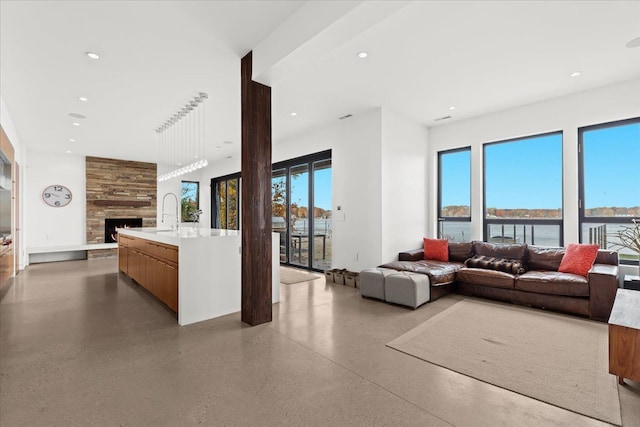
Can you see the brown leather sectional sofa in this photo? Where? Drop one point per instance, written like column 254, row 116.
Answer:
column 540, row 285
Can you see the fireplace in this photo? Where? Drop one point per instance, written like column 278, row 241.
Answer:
column 110, row 225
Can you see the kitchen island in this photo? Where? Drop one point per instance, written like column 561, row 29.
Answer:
column 196, row 272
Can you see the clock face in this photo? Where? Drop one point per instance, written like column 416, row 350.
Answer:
column 56, row 196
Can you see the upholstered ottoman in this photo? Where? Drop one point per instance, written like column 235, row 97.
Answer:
column 410, row 289
column 372, row 282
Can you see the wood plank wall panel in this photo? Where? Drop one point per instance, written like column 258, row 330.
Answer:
column 8, row 256
column 256, row 198
column 119, row 181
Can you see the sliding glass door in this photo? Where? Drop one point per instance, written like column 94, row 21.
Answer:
column 300, row 208
column 299, row 214
column 279, row 209
column 301, row 190
column 322, row 214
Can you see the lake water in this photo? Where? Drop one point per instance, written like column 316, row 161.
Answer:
column 543, row 235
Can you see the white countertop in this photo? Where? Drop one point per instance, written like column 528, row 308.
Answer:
column 175, row 237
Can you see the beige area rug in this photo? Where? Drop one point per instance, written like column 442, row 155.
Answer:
column 550, row 357
column 289, row 276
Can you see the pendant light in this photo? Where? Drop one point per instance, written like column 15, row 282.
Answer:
column 181, row 139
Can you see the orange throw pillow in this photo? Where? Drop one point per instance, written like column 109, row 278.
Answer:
column 578, row 259
column 436, row 249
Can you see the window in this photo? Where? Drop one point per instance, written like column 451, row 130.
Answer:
column 609, row 177
column 300, row 208
column 523, row 190
column 190, row 201
column 225, row 202
column 454, row 195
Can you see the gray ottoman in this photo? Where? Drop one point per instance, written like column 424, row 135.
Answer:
column 372, row 282
column 410, row 289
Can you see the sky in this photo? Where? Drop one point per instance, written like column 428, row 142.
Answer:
column 612, row 166
column 527, row 173
column 321, row 192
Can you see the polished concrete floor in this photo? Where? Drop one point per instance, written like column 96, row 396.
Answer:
column 81, row 345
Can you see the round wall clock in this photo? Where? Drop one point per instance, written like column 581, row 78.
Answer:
column 56, row 196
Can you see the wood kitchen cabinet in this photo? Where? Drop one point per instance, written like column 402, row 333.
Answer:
column 153, row 265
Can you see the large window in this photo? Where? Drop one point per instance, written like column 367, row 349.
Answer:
column 523, row 190
column 454, row 195
column 301, row 208
column 190, row 201
column 609, row 175
column 225, row 202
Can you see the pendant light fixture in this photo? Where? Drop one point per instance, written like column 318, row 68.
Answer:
column 181, row 139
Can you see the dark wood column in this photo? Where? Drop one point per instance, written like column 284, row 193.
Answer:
column 256, row 198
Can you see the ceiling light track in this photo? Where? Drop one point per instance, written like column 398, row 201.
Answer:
column 181, row 138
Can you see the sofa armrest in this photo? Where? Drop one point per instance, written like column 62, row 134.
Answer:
column 603, row 285
column 413, row 255
column 606, row 256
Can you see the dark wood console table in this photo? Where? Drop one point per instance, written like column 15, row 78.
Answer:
column 624, row 336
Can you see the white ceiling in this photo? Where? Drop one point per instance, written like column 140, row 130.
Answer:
column 424, row 56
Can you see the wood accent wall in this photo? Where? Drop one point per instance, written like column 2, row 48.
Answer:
column 110, row 185
column 7, row 253
column 256, row 198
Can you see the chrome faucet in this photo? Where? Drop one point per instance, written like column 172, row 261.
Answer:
column 164, row 215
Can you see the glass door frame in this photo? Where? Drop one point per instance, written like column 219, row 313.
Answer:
column 287, row 165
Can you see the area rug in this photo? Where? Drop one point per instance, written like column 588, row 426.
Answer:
column 289, row 276
column 554, row 358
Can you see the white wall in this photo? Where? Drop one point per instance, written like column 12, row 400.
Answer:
column 20, row 158
column 378, row 171
column 44, row 225
column 567, row 113
column 404, row 183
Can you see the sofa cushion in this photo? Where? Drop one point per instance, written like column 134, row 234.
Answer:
column 578, row 259
column 460, row 251
column 498, row 250
column 439, row 272
column 436, row 249
column 480, row 276
column 498, row 264
column 541, row 258
column 554, row 283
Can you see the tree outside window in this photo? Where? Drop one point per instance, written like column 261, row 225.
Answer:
column 190, row 201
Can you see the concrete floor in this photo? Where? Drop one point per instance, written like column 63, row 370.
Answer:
column 82, row 345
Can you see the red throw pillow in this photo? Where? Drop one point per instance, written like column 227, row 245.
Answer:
column 578, row 259
column 436, row 249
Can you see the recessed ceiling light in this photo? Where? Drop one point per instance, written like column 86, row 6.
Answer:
column 72, row 140
column 452, row 108
column 634, row 43
column 227, row 142
column 218, row 146
column 77, row 116
column 362, row 55
column 76, row 124
column 228, row 157
column 575, row 74
column 92, row 55
column 68, row 151
column 82, row 98
column 294, row 114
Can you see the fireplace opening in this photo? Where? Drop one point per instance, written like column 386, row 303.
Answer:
column 112, row 224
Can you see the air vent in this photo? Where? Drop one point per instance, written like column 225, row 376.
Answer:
column 77, row 116
column 345, row 117
column 441, row 118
